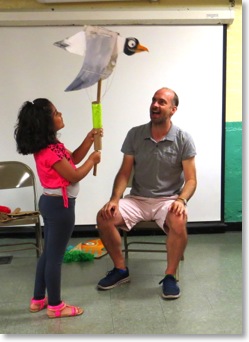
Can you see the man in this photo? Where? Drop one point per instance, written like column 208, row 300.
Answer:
column 163, row 159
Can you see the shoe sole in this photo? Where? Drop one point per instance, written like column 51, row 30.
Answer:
column 53, row 315
column 120, row 282
column 33, row 311
column 171, row 296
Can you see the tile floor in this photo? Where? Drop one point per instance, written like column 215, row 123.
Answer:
column 211, row 283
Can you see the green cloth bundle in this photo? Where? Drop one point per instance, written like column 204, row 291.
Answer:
column 76, row 256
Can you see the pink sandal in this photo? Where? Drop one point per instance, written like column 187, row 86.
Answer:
column 37, row 305
column 60, row 311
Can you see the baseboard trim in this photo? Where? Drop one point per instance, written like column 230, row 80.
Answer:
column 91, row 231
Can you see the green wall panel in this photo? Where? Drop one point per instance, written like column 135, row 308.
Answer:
column 233, row 172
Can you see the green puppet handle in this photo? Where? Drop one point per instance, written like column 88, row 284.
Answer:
column 97, row 123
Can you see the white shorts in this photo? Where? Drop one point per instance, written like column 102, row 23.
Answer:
column 135, row 209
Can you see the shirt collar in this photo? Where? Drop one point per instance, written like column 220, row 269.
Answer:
column 169, row 136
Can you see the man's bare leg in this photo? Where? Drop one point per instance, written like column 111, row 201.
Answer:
column 112, row 241
column 176, row 241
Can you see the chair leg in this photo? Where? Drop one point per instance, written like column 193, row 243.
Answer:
column 126, row 250
column 177, row 274
column 38, row 236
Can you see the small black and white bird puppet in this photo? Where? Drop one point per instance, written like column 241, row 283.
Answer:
column 100, row 48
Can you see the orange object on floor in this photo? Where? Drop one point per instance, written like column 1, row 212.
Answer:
column 94, row 247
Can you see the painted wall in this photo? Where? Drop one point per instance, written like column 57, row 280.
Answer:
column 233, row 152
column 233, row 172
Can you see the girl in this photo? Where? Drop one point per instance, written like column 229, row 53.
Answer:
column 36, row 133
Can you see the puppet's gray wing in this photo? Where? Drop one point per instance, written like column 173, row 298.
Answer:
column 100, row 44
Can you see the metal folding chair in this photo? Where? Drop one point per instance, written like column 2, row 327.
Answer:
column 16, row 175
column 144, row 225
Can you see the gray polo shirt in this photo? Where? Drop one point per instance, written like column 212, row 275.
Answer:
column 158, row 167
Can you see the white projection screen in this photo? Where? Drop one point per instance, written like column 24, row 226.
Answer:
column 188, row 59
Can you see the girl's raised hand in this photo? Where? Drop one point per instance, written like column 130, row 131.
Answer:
column 95, row 131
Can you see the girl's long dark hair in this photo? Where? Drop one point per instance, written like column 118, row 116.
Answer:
column 34, row 129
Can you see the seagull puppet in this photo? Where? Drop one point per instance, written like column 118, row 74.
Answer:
column 100, row 48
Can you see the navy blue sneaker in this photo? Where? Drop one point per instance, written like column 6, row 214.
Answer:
column 114, row 278
column 170, row 288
